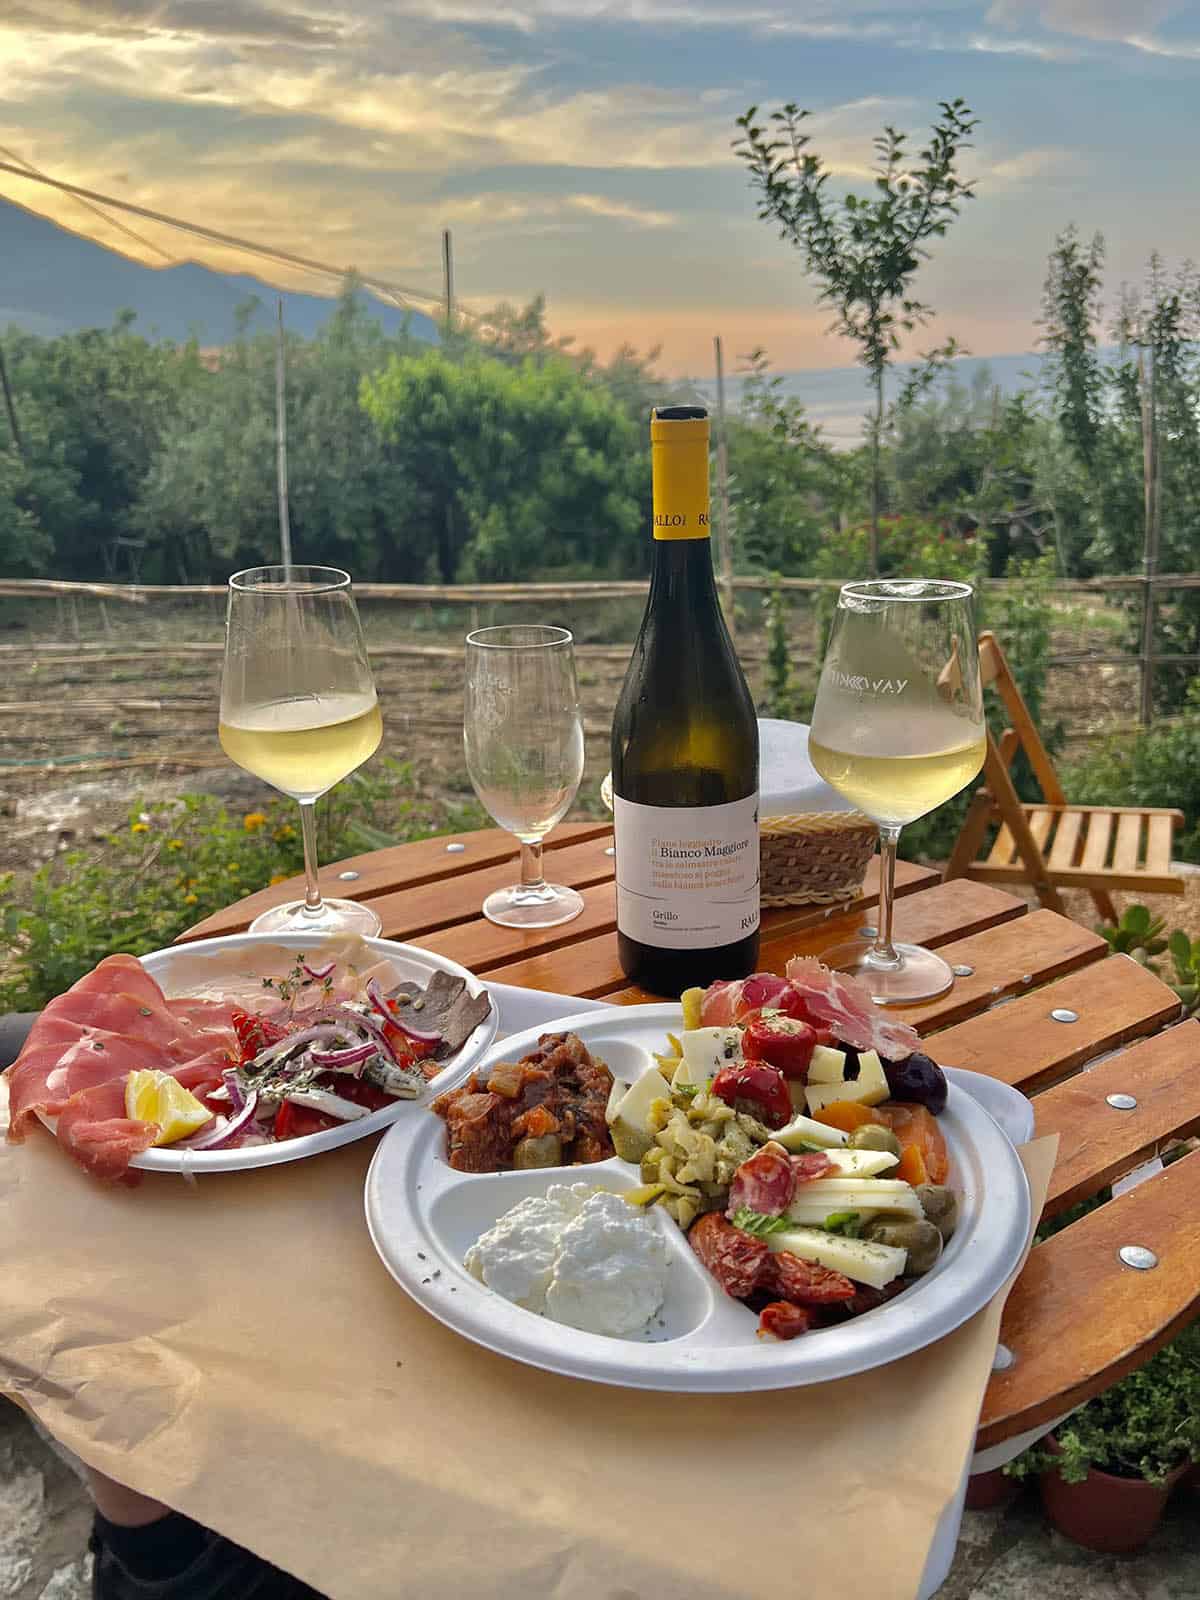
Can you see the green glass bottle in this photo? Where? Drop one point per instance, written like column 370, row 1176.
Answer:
column 684, row 750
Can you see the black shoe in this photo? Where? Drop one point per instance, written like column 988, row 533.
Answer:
column 177, row 1559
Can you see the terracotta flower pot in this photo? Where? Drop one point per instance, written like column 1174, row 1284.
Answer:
column 986, row 1491
column 1106, row 1513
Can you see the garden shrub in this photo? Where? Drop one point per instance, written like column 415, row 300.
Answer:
column 177, row 862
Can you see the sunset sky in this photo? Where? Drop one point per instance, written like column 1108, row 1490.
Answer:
column 582, row 147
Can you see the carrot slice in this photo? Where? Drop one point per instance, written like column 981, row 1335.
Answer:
column 846, row 1115
column 914, row 1125
column 912, row 1167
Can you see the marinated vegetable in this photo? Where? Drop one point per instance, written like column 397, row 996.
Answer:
column 940, row 1206
column 874, row 1136
column 757, row 1089
column 782, row 1042
column 919, row 1238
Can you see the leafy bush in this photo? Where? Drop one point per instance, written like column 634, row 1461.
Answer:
column 180, row 861
column 1157, row 766
column 1142, row 1427
column 1140, row 935
column 780, row 694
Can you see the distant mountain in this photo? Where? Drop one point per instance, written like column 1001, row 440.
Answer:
column 837, row 398
column 53, row 281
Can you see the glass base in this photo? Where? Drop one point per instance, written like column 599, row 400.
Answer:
column 918, row 975
column 537, row 908
column 335, row 916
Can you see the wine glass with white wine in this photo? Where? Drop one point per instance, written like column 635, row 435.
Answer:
column 299, row 711
column 898, row 729
column 523, row 737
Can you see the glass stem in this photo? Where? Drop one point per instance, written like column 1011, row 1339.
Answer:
column 532, row 881
column 883, row 950
column 308, row 832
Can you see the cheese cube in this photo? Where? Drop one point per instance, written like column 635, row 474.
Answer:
column 827, row 1066
column 708, row 1050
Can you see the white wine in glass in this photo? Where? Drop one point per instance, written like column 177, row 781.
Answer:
column 299, row 711
column 523, row 739
column 898, row 730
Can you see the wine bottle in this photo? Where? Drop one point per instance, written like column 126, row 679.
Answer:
column 684, row 750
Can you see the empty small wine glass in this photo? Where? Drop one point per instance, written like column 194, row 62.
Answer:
column 523, row 736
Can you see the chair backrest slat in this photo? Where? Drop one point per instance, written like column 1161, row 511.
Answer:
column 995, row 671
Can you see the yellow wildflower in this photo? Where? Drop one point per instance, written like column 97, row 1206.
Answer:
column 190, row 899
column 174, row 844
column 286, row 832
column 139, row 827
column 233, row 869
column 253, row 821
column 280, row 877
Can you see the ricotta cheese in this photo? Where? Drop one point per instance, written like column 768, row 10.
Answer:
column 579, row 1256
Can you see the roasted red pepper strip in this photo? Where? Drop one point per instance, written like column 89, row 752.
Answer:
column 254, row 1034
column 782, row 1042
column 755, row 1087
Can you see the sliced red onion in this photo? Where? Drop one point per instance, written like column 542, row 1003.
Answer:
column 216, row 1138
column 368, row 1025
column 236, row 1098
column 417, row 1035
column 319, row 1033
column 336, row 1060
column 319, row 974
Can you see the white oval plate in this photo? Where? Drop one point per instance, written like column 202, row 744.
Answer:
column 169, row 968
column 423, row 1216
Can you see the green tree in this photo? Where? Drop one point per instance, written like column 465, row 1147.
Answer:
column 785, row 481
column 864, row 252
column 513, row 470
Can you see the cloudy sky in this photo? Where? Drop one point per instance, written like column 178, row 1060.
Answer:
column 582, row 147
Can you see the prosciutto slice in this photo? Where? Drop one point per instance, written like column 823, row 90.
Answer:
column 845, row 1006
column 79, row 1052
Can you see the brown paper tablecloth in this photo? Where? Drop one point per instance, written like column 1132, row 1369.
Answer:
column 235, row 1348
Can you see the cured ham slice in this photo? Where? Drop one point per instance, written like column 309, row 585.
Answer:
column 84, row 1045
column 844, row 1005
column 725, row 1004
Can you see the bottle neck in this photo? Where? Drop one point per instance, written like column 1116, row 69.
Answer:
column 681, row 575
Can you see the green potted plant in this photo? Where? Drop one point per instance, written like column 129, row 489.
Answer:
column 1107, row 1472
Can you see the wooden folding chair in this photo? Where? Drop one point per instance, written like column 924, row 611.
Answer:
column 1054, row 845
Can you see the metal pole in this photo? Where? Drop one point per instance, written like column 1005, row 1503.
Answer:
column 10, row 406
column 724, row 542
column 1150, row 542
column 448, row 276
column 285, row 530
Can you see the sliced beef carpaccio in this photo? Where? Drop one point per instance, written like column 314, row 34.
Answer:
column 556, row 1089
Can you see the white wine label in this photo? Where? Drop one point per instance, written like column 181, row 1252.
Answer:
column 687, row 876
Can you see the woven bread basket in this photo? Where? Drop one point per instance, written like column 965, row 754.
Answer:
column 815, row 858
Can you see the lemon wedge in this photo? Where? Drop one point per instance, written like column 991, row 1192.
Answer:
column 158, row 1097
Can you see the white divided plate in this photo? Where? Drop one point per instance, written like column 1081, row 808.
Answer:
column 423, row 1217
column 170, row 969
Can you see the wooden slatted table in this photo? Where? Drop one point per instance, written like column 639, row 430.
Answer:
column 1078, row 1318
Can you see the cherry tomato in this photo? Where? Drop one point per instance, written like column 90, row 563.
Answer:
column 782, row 1042
column 756, row 1088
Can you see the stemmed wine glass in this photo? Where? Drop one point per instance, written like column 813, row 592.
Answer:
column 523, row 737
column 897, row 729
column 299, row 711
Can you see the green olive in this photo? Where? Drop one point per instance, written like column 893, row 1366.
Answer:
column 630, row 1143
column 940, row 1206
column 873, row 1136
column 921, row 1239
column 543, row 1150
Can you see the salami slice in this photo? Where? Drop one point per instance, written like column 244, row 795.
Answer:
column 734, row 1258
column 765, row 1183
column 816, row 1164
column 803, row 1283
column 782, row 1320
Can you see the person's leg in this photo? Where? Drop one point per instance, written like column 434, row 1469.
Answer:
column 145, row 1551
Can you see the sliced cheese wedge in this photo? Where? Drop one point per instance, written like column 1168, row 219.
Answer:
column 803, row 1131
column 707, row 1050
column 634, row 1106
column 873, row 1264
column 861, row 1163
